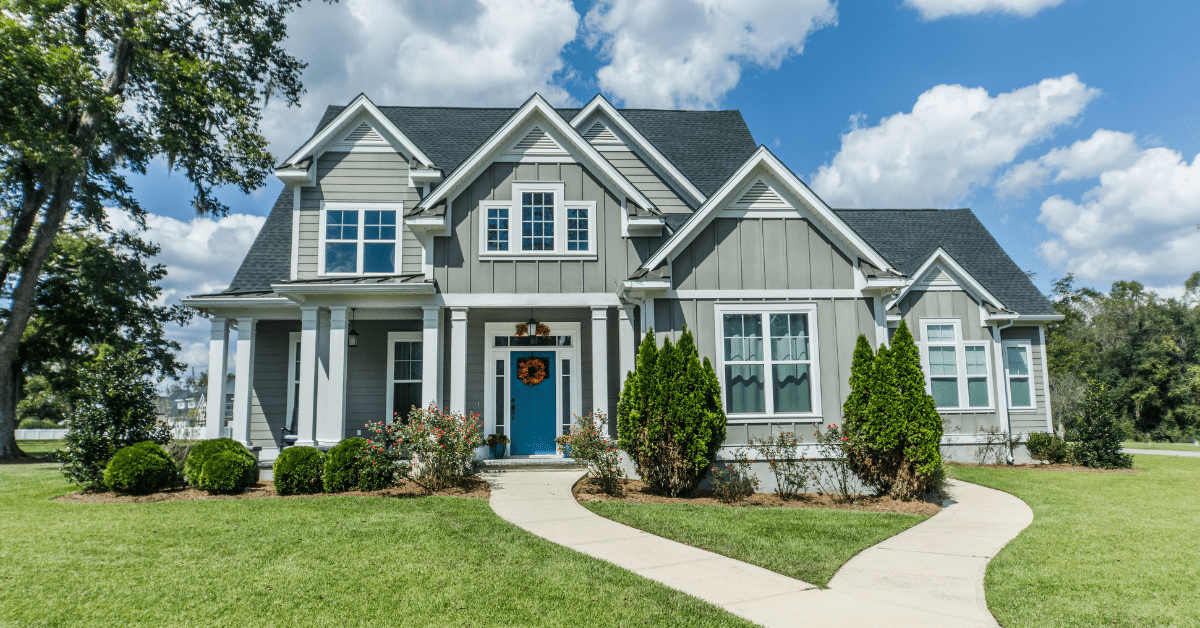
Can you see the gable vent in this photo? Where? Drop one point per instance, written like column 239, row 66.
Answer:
column 537, row 142
column 761, row 195
column 936, row 278
column 600, row 134
column 364, row 134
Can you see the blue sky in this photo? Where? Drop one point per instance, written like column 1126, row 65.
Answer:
column 1070, row 127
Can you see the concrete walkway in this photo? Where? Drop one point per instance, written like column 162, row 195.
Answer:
column 928, row 575
column 1164, row 452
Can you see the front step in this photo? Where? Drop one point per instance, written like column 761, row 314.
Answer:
column 533, row 462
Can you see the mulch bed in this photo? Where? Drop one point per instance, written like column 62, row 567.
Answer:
column 469, row 487
column 636, row 492
column 1061, row 466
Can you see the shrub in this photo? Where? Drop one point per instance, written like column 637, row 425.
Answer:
column 38, row 424
column 996, row 444
column 193, row 466
column 179, row 449
column 589, row 443
column 892, row 427
column 298, row 471
column 792, row 471
column 735, row 481
column 670, row 417
column 139, row 469
column 439, row 446
column 117, row 410
column 228, row 472
column 344, row 465
column 836, row 477
column 1047, row 447
column 1096, row 436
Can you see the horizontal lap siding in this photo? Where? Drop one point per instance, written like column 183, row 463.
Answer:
column 1026, row 421
column 458, row 268
column 761, row 254
column 363, row 177
column 268, row 408
column 366, row 373
column 647, row 181
column 838, row 325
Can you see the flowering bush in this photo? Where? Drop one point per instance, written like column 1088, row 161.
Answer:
column 438, row 446
column 792, row 471
column 735, row 481
column 839, row 478
column 588, row 443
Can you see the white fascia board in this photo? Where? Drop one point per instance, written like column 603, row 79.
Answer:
column 640, row 226
column 211, row 302
column 536, row 105
column 435, row 225
column 647, row 285
column 793, row 185
column 941, row 256
column 390, row 288
column 361, row 104
column 601, row 104
column 1031, row 318
column 297, row 176
column 425, row 175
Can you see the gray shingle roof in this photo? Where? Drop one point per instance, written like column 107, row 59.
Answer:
column 270, row 257
column 906, row 238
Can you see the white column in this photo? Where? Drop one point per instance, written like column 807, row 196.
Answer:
column 1001, row 384
column 458, row 359
column 629, row 341
column 331, row 424
column 306, row 403
column 1045, row 379
column 244, row 380
column 431, row 353
column 322, row 369
column 218, row 366
column 600, row 360
column 881, row 328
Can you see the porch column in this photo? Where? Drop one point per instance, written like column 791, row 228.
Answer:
column 244, row 380
column 431, row 353
column 629, row 341
column 306, row 402
column 458, row 359
column 331, row 424
column 881, row 328
column 600, row 359
column 218, row 367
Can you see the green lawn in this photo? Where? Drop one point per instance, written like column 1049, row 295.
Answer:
column 805, row 543
column 39, row 448
column 1111, row 549
column 330, row 561
column 1130, row 444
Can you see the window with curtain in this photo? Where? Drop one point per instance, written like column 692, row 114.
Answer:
column 768, row 363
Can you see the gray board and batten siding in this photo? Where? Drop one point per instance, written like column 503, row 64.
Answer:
column 268, row 403
column 1026, row 421
column 459, row 269
column 647, row 181
column 357, row 177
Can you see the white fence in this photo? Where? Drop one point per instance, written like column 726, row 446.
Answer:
column 40, row 434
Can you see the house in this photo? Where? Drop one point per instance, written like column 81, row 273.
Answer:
column 414, row 249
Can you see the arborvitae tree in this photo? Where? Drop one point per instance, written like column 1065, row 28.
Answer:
column 862, row 368
column 1095, row 434
column 635, row 395
column 919, row 427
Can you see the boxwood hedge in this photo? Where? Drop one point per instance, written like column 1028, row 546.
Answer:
column 298, row 471
column 139, row 469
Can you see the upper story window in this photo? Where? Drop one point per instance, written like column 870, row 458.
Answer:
column 768, row 360
column 958, row 372
column 359, row 238
column 537, row 223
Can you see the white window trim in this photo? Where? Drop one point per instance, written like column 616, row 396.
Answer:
column 361, row 208
column 392, row 338
column 1028, row 345
column 561, row 205
column 293, row 345
column 763, row 309
column 960, row 358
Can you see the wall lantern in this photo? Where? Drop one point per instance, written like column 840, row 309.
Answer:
column 531, row 327
column 352, row 337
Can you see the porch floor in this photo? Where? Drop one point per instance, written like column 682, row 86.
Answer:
column 530, row 462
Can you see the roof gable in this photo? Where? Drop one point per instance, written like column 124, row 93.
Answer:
column 344, row 130
column 940, row 271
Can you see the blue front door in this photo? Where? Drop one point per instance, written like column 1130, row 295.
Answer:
column 532, row 421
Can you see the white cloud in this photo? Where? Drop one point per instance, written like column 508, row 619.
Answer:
column 1105, row 150
column 409, row 52
column 934, row 9
column 689, row 54
column 952, row 142
column 1140, row 223
column 201, row 256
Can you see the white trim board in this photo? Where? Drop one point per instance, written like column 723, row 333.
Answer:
column 941, row 258
column 359, row 108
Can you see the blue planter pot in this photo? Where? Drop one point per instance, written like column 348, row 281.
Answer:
column 497, row 451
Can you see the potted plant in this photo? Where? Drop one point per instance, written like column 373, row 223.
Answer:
column 564, row 442
column 496, row 443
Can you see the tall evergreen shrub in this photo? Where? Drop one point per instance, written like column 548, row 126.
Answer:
column 1096, row 436
column 670, row 418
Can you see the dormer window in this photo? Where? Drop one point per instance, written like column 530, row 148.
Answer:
column 538, row 223
column 359, row 238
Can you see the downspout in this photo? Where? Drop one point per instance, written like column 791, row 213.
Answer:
column 1002, row 397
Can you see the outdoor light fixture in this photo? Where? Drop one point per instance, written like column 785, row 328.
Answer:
column 531, row 326
column 352, row 337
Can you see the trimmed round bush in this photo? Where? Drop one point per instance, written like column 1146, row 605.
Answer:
column 228, row 472
column 298, row 471
column 202, row 453
column 344, row 465
column 139, row 469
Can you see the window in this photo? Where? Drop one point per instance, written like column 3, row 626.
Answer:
column 566, row 395
column 537, row 223
column 958, row 371
column 405, row 365
column 1016, row 371
column 359, row 238
column 767, row 361
column 293, row 395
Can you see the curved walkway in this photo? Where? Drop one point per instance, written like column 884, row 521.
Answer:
column 928, row 575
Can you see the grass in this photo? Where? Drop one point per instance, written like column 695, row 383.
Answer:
column 805, row 543
column 1132, row 444
column 39, row 448
column 332, row 561
column 1112, row 549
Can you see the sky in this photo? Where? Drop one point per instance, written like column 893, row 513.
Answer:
column 1070, row 127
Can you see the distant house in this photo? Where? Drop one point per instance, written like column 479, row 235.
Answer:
column 439, row 255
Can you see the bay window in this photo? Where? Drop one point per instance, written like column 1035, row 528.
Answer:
column 359, row 238
column 957, row 372
column 767, row 360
